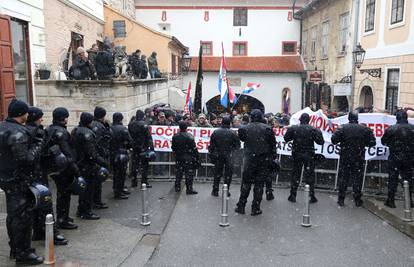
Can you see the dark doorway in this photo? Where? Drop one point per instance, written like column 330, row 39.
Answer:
column 366, row 99
column 244, row 104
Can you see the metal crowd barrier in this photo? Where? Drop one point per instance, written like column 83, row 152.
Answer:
column 375, row 172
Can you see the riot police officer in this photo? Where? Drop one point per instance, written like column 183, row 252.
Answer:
column 103, row 135
column 34, row 124
column 89, row 162
column 60, row 141
column 18, row 154
column 259, row 153
column 223, row 143
column 400, row 140
column 352, row 139
column 141, row 142
column 120, row 144
column 304, row 137
column 186, row 157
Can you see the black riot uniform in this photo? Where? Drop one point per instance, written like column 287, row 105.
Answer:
column 304, row 137
column 223, row 143
column 60, row 141
column 40, row 175
column 400, row 140
column 352, row 139
column 187, row 158
column 141, row 142
column 17, row 157
column 121, row 142
column 89, row 163
column 259, row 153
column 103, row 135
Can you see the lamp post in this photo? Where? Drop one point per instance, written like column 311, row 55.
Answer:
column 359, row 56
column 186, row 63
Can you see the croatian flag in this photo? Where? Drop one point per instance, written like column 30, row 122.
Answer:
column 188, row 103
column 250, row 87
column 223, row 83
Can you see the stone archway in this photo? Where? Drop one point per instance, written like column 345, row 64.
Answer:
column 340, row 103
column 366, row 97
column 245, row 104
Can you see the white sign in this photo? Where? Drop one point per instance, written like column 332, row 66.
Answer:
column 342, row 89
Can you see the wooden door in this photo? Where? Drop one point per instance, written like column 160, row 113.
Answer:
column 7, row 84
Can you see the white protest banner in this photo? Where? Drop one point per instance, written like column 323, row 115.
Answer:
column 162, row 135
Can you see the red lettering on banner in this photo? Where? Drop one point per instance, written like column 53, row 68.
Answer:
column 165, row 144
column 157, row 143
column 312, row 120
column 203, row 132
column 318, row 123
column 168, row 132
column 159, row 131
column 200, row 145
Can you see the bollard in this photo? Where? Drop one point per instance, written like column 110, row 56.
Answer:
column 306, row 212
column 407, row 203
column 49, row 242
column 224, row 207
column 144, row 215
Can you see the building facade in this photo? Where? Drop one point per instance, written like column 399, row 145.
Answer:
column 22, row 45
column 387, row 35
column 327, row 44
column 127, row 32
column 248, row 33
column 70, row 24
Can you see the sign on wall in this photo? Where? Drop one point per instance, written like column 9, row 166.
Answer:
column 342, row 89
column 315, row 76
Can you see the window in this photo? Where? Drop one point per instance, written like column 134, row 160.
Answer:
column 240, row 17
column 289, row 48
column 305, row 44
column 76, row 40
column 397, row 11
column 239, row 48
column 343, row 34
column 313, row 42
column 207, row 48
column 325, row 37
column 286, row 101
column 369, row 15
column 391, row 98
column 119, row 28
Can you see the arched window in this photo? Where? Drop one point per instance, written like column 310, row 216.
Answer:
column 286, row 101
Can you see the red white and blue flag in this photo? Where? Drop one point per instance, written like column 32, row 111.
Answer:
column 188, row 108
column 250, row 87
column 226, row 93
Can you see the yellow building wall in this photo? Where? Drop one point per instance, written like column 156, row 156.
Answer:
column 140, row 37
column 397, row 34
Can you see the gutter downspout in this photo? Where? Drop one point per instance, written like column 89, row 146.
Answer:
column 356, row 35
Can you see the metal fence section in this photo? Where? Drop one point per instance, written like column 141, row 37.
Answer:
column 326, row 170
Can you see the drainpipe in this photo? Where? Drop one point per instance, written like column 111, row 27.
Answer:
column 356, row 35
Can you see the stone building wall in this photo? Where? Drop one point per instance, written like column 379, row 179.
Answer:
column 115, row 96
column 60, row 20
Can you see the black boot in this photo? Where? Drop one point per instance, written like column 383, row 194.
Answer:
column 177, row 187
column 215, row 191
column 60, row 239
column 66, row 224
column 100, row 206
column 125, row 191
column 134, row 182
column 90, row 216
column 190, row 190
column 313, row 199
column 358, row 202
column 256, row 211
column 28, row 257
column 120, row 196
column 292, row 198
column 240, row 209
column 341, row 202
column 269, row 194
column 390, row 203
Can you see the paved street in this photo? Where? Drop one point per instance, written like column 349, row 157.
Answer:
column 186, row 233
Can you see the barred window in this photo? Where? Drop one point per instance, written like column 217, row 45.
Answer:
column 239, row 48
column 369, row 15
column 325, row 38
column 344, row 31
column 207, row 48
column 397, row 11
column 240, row 17
column 119, row 28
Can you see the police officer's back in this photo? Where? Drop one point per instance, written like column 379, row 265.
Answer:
column 352, row 139
column 17, row 157
column 186, row 157
column 223, row 142
column 141, row 142
column 400, row 140
column 304, row 137
column 259, row 152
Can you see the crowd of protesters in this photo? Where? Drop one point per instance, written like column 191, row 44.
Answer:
column 112, row 62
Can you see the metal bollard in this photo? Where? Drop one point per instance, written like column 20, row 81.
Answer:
column 407, row 203
column 224, row 207
column 144, row 215
column 49, row 241
column 306, row 212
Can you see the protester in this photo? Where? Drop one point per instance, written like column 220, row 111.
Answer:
column 82, row 68
column 153, row 66
column 104, row 63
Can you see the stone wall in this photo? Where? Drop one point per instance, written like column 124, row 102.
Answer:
column 115, row 96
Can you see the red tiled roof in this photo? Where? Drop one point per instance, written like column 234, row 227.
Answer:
column 251, row 64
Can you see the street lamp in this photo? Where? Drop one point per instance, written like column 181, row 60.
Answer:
column 358, row 57
column 186, row 63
